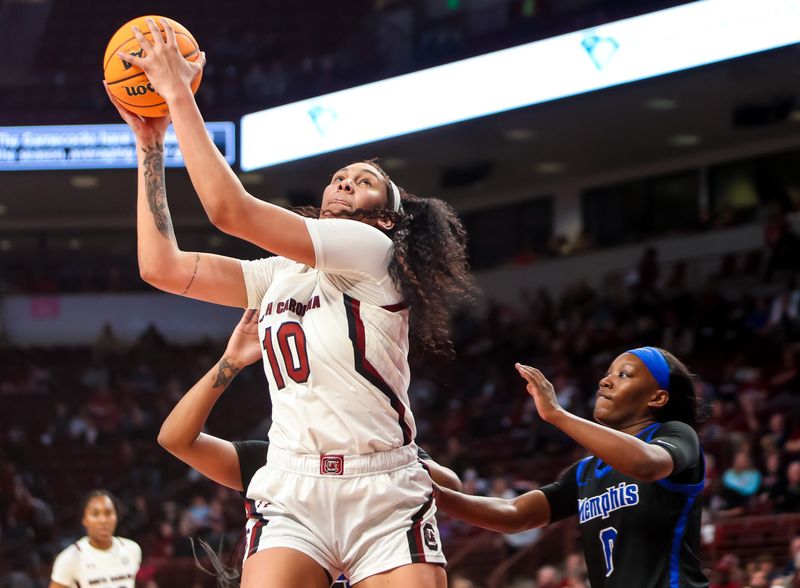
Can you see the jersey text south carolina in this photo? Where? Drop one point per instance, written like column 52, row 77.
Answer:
column 604, row 504
column 290, row 305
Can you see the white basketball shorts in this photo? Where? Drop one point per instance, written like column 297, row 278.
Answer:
column 358, row 515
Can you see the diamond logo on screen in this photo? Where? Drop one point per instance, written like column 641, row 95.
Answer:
column 323, row 118
column 601, row 50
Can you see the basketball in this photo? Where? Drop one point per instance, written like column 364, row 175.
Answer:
column 128, row 83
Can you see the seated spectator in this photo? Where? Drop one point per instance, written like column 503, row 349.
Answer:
column 784, row 314
column 776, row 434
column 740, row 481
column 793, row 566
column 576, row 575
column 774, row 481
column 727, row 573
column 758, row 579
column 82, row 428
column 548, row 577
column 783, row 386
column 788, row 500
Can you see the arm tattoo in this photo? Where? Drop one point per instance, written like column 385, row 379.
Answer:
column 189, row 285
column 156, row 189
column 227, row 371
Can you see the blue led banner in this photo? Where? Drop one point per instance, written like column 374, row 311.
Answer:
column 92, row 146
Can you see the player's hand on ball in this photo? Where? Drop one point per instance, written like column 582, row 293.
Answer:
column 168, row 71
column 541, row 390
column 244, row 346
column 146, row 129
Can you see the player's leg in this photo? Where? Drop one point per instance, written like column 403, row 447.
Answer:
column 400, row 549
column 285, row 541
column 419, row 575
column 282, row 567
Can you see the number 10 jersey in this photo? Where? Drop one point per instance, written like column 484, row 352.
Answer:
column 335, row 343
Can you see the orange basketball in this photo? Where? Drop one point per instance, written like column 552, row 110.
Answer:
column 127, row 83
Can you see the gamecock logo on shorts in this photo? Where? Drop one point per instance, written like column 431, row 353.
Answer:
column 429, row 535
column 331, row 465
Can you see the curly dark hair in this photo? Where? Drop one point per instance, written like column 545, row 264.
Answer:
column 429, row 265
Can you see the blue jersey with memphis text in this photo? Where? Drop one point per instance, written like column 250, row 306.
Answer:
column 642, row 534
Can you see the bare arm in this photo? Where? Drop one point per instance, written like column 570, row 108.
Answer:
column 496, row 514
column 204, row 276
column 228, row 205
column 181, row 434
column 625, row 453
column 56, row 585
column 442, row 476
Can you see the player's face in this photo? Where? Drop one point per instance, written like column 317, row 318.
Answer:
column 626, row 393
column 100, row 519
column 357, row 186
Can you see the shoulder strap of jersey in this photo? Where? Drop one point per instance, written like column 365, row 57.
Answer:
column 580, row 471
column 647, row 433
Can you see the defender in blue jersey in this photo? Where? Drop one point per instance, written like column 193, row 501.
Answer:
column 638, row 496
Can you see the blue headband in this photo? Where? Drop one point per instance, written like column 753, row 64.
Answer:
column 655, row 361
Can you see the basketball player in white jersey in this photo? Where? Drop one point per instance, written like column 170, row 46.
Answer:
column 98, row 560
column 343, row 488
column 233, row 464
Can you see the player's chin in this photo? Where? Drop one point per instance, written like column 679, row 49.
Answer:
column 600, row 416
column 332, row 210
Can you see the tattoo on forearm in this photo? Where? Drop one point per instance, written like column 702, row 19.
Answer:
column 189, row 285
column 156, row 188
column 227, row 371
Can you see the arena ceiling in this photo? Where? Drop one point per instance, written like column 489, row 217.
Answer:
column 658, row 121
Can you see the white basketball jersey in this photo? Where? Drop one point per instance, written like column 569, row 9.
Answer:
column 335, row 343
column 82, row 566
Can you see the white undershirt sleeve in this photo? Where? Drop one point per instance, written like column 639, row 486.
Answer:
column 350, row 248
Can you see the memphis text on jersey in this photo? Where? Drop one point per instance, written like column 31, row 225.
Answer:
column 602, row 505
column 290, row 305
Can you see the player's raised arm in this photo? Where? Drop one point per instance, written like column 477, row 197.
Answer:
column 181, row 434
column 228, row 205
column 619, row 449
column 204, row 276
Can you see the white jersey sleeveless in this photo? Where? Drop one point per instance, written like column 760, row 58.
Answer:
column 335, row 343
column 82, row 566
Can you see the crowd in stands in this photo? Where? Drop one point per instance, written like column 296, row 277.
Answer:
column 76, row 418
